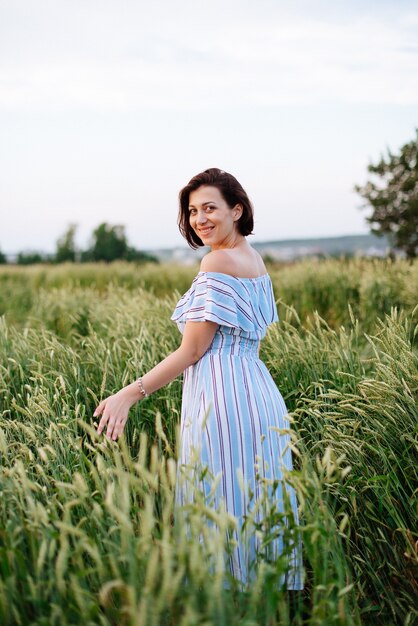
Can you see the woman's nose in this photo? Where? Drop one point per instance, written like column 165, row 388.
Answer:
column 201, row 218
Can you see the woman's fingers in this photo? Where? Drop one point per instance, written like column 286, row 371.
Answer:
column 110, row 428
column 99, row 408
column 115, row 428
column 102, row 424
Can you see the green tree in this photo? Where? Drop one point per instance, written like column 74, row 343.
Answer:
column 66, row 248
column 394, row 198
column 109, row 244
column 3, row 259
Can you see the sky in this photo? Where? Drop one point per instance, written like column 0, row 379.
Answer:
column 108, row 108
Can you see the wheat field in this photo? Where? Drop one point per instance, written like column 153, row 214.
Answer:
column 88, row 529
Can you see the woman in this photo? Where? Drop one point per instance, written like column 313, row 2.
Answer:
column 231, row 408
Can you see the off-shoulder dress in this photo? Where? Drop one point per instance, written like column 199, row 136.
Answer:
column 232, row 411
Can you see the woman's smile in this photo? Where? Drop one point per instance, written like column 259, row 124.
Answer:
column 205, row 230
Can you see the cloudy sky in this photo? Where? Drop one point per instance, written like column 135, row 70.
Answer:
column 107, row 108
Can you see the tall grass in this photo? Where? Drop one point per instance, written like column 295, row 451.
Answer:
column 372, row 287
column 360, row 399
column 89, row 533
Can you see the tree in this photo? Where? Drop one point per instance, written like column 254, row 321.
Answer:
column 395, row 199
column 3, row 259
column 109, row 243
column 66, row 249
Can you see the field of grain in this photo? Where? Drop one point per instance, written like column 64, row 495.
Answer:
column 88, row 533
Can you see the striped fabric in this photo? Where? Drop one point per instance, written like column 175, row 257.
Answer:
column 232, row 413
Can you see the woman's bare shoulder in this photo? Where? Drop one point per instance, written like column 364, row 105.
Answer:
column 218, row 261
column 249, row 264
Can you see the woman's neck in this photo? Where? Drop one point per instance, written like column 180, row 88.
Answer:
column 236, row 241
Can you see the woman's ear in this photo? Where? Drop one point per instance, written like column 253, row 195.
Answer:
column 237, row 212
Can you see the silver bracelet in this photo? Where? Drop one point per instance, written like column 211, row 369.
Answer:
column 141, row 388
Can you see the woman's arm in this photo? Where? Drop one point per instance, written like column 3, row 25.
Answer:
column 197, row 338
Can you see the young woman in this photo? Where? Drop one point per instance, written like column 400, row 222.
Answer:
column 232, row 412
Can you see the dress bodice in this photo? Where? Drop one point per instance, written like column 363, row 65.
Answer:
column 242, row 307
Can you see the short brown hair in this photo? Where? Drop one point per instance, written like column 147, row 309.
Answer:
column 231, row 191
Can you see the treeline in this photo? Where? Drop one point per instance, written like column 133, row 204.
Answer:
column 108, row 243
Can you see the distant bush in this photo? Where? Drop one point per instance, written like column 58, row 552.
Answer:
column 32, row 258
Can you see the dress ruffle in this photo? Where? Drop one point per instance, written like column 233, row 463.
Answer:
column 235, row 303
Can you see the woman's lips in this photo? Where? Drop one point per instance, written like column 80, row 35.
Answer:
column 205, row 231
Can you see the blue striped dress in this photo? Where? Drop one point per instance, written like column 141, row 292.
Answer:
column 231, row 413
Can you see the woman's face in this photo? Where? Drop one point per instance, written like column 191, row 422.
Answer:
column 212, row 219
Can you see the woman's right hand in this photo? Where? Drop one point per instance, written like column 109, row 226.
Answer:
column 114, row 411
